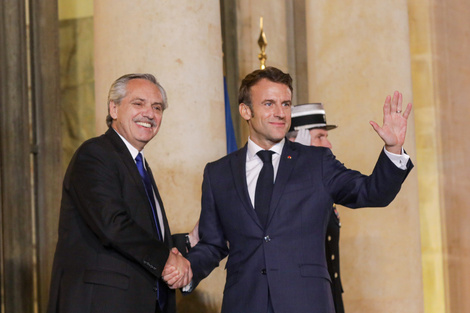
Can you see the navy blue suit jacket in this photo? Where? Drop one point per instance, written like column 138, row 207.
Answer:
column 287, row 257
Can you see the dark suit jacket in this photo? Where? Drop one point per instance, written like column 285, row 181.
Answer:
column 108, row 257
column 287, row 258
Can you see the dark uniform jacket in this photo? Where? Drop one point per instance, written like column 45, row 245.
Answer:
column 332, row 259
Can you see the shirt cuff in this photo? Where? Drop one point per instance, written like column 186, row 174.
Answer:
column 188, row 287
column 400, row 160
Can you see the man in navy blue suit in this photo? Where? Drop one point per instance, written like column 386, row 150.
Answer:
column 276, row 256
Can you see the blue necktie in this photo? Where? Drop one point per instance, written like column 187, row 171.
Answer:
column 149, row 191
column 264, row 186
column 161, row 288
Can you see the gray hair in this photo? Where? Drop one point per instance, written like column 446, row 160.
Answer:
column 118, row 91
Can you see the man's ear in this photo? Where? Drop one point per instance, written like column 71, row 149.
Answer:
column 113, row 109
column 245, row 111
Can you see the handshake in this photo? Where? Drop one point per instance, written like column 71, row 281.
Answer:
column 177, row 272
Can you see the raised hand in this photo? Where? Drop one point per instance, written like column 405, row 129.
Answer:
column 177, row 272
column 393, row 130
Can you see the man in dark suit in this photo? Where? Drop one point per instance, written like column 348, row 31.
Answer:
column 114, row 238
column 309, row 127
column 276, row 250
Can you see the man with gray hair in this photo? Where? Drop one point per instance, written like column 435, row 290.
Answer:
column 114, row 237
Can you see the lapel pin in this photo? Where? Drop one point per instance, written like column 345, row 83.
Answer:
column 289, row 157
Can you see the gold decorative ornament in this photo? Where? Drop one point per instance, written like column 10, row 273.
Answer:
column 262, row 42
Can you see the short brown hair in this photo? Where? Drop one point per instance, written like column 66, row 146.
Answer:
column 270, row 73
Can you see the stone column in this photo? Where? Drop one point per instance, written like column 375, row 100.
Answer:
column 445, row 128
column 358, row 53
column 180, row 43
column 428, row 154
column 16, row 234
column 45, row 86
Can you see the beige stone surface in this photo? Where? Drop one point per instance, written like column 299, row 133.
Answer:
column 359, row 53
column 76, row 84
column 451, row 48
column 179, row 42
column 274, row 24
column 74, row 9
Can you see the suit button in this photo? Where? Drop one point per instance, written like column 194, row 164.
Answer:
column 155, row 288
column 267, row 239
column 263, row 271
column 332, row 256
column 329, row 238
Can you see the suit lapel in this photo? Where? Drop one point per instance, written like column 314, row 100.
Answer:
column 129, row 163
column 126, row 158
column 238, row 166
column 286, row 164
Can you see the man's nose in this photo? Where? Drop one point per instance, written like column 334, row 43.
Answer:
column 279, row 111
column 328, row 144
column 148, row 112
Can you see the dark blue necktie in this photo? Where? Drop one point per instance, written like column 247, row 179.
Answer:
column 149, row 191
column 264, row 186
column 161, row 288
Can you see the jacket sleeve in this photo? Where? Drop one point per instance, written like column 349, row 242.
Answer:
column 353, row 189
column 212, row 247
column 179, row 242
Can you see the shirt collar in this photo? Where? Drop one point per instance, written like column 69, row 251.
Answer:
column 133, row 151
column 253, row 148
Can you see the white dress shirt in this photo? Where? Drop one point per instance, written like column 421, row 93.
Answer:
column 400, row 160
column 134, row 152
column 254, row 164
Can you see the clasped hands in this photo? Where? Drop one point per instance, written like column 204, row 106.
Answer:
column 177, row 272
